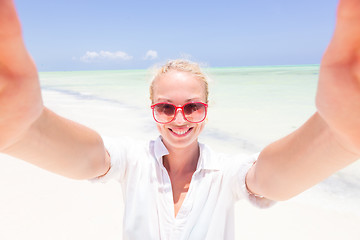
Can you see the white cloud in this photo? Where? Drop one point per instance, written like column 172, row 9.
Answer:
column 150, row 55
column 105, row 55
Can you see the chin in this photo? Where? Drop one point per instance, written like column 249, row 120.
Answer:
column 169, row 141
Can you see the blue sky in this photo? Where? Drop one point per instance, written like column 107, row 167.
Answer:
column 108, row 34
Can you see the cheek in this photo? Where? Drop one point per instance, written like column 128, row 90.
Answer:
column 159, row 127
column 162, row 129
column 201, row 126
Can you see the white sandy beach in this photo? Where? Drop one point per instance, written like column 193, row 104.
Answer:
column 36, row 204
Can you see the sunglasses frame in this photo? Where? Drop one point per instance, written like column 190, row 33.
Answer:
column 176, row 110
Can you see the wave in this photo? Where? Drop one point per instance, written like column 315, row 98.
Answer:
column 89, row 96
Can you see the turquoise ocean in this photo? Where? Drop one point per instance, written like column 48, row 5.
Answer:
column 249, row 107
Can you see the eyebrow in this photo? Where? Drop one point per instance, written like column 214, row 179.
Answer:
column 193, row 100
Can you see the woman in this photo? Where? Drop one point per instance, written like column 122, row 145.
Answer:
column 160, row 202
column 174, row 187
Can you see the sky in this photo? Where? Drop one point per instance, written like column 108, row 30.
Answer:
column 69, row 35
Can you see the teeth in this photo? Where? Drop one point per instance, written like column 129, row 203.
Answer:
column 180, row 132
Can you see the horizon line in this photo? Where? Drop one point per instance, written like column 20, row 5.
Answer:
column 227, row 67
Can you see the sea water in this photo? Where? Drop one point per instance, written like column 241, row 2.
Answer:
column 249, row 107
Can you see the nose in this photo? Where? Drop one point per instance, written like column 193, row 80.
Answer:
column 179, row 117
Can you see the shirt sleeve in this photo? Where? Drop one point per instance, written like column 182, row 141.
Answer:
column 241, row 190
column 117, row 149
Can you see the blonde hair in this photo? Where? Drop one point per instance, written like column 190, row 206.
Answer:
column 181, row 65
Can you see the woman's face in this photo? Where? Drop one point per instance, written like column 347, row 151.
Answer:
column 179, row 88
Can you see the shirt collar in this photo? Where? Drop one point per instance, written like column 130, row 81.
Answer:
column 207, row 159
column 160, row 149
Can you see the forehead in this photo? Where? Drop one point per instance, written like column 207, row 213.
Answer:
column 176, row 86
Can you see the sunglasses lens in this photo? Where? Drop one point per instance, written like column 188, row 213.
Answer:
column 164, row 112
column 195, row 112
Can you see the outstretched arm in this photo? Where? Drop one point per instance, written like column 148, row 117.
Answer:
column 29, row 130
column 330, row 139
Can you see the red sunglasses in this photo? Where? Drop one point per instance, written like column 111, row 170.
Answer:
column 193, row 112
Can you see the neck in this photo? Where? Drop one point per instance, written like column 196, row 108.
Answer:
column 182, row 160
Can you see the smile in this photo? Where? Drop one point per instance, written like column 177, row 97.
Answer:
column 180, row 133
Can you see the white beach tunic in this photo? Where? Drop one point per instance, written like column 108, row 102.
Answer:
column 207, row 211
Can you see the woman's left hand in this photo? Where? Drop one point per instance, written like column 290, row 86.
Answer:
column 338, row 95
column 330, row 139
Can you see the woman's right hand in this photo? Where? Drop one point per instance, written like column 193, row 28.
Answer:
column 30, row 131
column 20, row 96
